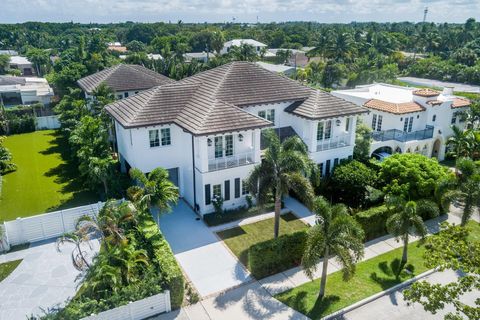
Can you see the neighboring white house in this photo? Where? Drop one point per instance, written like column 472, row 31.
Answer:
column 277, row 68
column 24, row 91
column 238, row 42
column 199, row 56
column 407, row 119
column 125, row 80
column 207, row 129
column 22, row 64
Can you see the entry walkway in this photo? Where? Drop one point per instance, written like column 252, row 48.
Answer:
column 206, row 261
column 43, row 280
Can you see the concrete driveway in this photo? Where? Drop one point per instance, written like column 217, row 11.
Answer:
column 209, row 265
column 393, row 306
column 43, row 280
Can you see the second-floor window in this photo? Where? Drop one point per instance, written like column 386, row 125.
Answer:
column 268, row 115
column 347, row 124
column 374, row 122
column 408, row 124
column 218, row 147
column 324, row 130
column 454, row 118
column 434, row 118
column 377, row 122
column 228, row 145
column 166, row 137
column 154, row 138
column 221, row 149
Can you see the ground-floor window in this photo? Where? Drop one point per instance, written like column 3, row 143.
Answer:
column 217, row 190
column 244, row 187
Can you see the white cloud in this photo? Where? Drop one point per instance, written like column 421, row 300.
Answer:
column 223, row 10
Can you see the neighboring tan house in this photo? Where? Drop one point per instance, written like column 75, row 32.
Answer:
column 22, row 64
column 298, row 58
column 407, row 119
column 206, row 130
column 116, row 46
column 24, row 91
column 238, row 42
column 125, row 80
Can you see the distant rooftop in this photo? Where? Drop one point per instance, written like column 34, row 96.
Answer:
column 19, row 60
column 9, row 52
column 238, row 42
column 279, row 68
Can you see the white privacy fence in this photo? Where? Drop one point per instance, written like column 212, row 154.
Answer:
column 137, row 310
column 47, row 122
column 48, row 225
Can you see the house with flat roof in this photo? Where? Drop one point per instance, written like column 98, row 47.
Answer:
column 206, row 130
column 238, row 42
column 199, row 56
column 22, row 64
column 125, row 80
column 24, row 91
column 407, row 120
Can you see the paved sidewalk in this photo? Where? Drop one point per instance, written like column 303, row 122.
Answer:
column 44, row 279
column 206, row 261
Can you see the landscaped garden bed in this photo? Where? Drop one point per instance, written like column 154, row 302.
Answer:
column 372, row 276
column 215, row 219
column 44, row 179
column 241, row 239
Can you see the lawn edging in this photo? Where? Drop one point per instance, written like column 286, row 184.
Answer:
column 374, row 297
column 247, row 220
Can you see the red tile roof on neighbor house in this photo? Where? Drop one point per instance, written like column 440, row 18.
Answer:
column 212, row 101
column 395, row 108
column 124, row 77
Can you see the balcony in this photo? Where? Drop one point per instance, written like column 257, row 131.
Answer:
column 401, row 136
column 235, row 160
column 339, row 141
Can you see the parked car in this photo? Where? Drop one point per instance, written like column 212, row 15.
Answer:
column 380, row 156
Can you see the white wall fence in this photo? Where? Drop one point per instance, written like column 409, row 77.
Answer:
column 46, row 226
column 47, row 122
column 138, row 310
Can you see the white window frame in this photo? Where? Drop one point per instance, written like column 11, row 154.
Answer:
column 155, row 142
column 165, row 137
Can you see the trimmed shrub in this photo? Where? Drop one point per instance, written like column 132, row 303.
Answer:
column 373, row 221
column 427, row 209
column 276, row 255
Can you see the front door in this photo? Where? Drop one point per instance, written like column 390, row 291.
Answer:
column 173, row 175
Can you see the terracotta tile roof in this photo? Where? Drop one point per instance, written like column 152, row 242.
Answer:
column 426, row 93
column 460, row 102
column 211, row 101
column 395, row 108
column 124, row 77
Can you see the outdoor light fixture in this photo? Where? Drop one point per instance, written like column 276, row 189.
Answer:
column 240, row 137
column 338, row 122
column 209, row 142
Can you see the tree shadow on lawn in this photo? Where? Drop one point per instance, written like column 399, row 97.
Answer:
column 319, row 309
column 393, row 274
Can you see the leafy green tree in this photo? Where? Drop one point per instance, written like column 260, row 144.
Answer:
column 403, row 221
column 6, row 159
column 102, row 95
column 350, row 182
column 153, row 190
column 452, row 249
column 4, row 63
column 101, row 171
column 332, row 74
column 411, row 176
column 71, row 109
column 136, row 46
column 40, row 58
column 244, row 52
column 363, row 140
column 335, row 233
column 285, row 167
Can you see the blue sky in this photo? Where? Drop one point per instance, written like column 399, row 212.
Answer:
column 12, row 11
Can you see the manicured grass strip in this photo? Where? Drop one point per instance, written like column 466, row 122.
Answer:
column 240, row 239
column 7, row 268
column 44, row 181
column 372, row 276
column 213, row 219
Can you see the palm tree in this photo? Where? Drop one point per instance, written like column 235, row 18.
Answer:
column 113, row 220
column 244, row 52
column 458, row 143
column 285, row 167
column 101, row 170
column 335, row 233
column 153, row 190
column 404, row 221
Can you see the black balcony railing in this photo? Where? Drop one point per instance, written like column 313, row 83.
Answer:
column 398, row 135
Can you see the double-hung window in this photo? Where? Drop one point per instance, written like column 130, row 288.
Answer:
column 244, row 187
column 166, row 137
column 379, row 123
column 405, row 124
column 410, row 124
column 374, row 121
column 217, row 190
column 154, row 138
column 229, row 145
column 219, row 147
column 324, row 130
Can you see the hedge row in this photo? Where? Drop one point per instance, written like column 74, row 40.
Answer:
column 373, row 221
column 171, row 272
column 276, row 255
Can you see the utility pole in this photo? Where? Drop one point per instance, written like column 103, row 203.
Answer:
column 425, row 14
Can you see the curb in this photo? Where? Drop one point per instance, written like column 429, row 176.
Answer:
column 363, row 302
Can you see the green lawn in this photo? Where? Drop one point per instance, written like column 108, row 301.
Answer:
column 372, row 276
column 44, row 181
column 240, row 239
column 7, row 268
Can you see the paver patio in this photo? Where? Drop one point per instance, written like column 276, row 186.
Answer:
column 44, row 279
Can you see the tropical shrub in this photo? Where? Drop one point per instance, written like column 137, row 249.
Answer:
column 276, row 255
column 373, row 221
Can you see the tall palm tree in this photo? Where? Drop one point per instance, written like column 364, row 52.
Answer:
column 335, row 233
column 285, row 167
column 101, row 170
column 154, row 189
column 404, row 221
column 458, row 143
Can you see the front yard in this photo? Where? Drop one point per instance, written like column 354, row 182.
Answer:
column 44, row 181
column 240, row 239
column 372, row 276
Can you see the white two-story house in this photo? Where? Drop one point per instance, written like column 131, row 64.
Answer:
column 125, row 80
column 207, row 129
column 408, row 120
column 227, row 46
